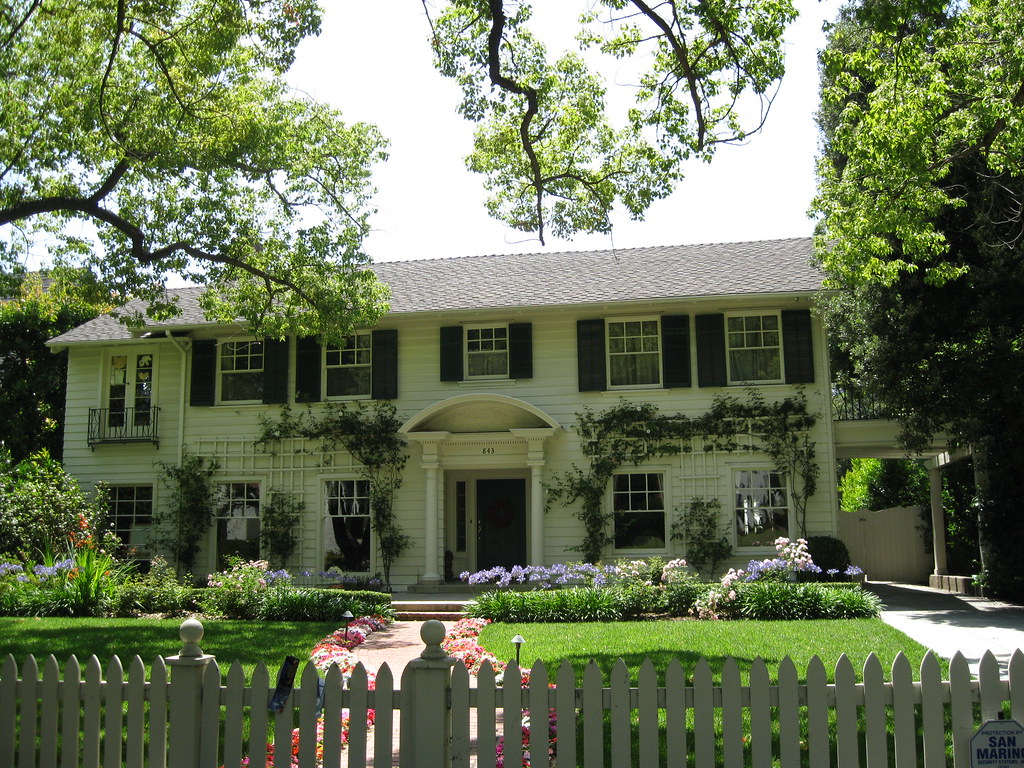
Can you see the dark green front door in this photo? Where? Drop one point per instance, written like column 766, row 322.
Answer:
column 501, row 523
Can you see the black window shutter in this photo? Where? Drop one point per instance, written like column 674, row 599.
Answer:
column 384, row 369
column 308, row 358
column 797, row 347
column 590, row 355
column 711, row 370
column 451, row 353
column 275, row 371
column 203, row 387
column 675, row 350
column 520, row 351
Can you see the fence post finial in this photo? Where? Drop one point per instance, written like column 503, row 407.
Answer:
column 191, row 632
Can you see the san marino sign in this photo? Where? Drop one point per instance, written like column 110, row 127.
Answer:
column 998, row 744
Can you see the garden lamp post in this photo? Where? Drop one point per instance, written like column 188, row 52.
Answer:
column 347, row 616
column 518, row 641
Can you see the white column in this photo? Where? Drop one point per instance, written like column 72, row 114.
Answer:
column 536, row 515
column 938, row 521
column 431, row 574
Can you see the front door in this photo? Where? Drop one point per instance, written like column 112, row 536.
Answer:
column 501, row 523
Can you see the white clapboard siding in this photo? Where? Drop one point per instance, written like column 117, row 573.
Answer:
column 90, row 716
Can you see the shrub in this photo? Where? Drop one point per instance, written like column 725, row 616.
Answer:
column 773, row 601
column 42, row 508
column 830, row 553
column 681, row 596
column 572, row 604
column 156, row 591
column 238, row 592
column 310, row 604
column 635, row 600
column 81, row 584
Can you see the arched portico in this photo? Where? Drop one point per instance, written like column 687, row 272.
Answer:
column 481, row 453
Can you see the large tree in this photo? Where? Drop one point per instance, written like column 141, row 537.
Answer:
column 168, row 128
column 921, row 198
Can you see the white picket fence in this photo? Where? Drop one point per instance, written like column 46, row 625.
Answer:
column 183, row 715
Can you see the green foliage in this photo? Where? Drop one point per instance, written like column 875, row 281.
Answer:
column 170, row 128
column 157, row 591
column 574, row 604
column 183, row 521
column 83, row 583
column 632, row 433
column 32, row 377
column 550, row 154
column 829, row 553
column 776, row 601
column 924, row 252
column 700, row 531
column 370, row 435
column 306, row 604
column 279, row 519
column 883, row 483
column 43, row 509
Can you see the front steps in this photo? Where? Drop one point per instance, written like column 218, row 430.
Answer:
column 421, row 610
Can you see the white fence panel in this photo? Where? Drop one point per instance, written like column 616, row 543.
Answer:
column 76, row 716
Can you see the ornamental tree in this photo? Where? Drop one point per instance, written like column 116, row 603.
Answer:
column 921, row 199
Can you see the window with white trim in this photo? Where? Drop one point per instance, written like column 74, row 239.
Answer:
column 347, row 367
column 638, row 510
column 754, row 348
column 238, row 521
column 129, row 391
column 347, row 526
column 131, row 511
column 487, row 352
column 634, row 352
column 241, row 371
column 762, row 507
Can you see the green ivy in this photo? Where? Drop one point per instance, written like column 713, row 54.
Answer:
column 279, row 519
column 633, row 433
column 185, row 520
column 370, row 435
column 700, row 533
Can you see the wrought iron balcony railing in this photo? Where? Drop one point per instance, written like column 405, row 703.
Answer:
column 850, row 405
column 124, row 425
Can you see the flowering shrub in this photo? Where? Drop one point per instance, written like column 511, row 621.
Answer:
column 719, row 602
column 237, row 592
column 79, row 584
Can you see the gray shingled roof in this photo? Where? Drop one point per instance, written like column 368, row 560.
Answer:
column 555, row 279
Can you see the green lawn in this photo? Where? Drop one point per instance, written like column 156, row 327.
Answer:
column 662, row 641
column 250, row 642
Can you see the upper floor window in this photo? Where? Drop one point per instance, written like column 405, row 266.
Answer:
column 487, row 352
column 762, row 507
column 638, row 509
column 130, row 391
column 754, row 344
column 241, row 371
column 347, row 367
column 634, row 353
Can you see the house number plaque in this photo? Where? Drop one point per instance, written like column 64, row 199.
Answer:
column 486, row 451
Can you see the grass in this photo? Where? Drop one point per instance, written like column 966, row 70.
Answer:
column 250, row 642
column 688, row 641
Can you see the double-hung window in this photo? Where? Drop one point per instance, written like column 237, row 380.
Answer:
column 238, row 521
column 241, row 371
column 131, row 509
column 634, row 353
column 347, row 367
column 638, row 510
column 762, row 507
column 487, row 352
column 347, row 526
column 754, row 345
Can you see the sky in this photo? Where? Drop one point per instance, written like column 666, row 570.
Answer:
column 372, row 61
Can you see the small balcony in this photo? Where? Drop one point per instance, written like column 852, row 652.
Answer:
column 851, row 405
column 124, row 425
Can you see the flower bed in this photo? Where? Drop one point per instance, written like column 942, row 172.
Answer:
column 461, row 642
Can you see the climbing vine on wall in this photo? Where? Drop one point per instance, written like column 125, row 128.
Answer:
column 184, row 521
column 370, row 435
column 633, row 433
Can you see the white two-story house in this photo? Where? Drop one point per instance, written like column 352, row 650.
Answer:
column 487, row 360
